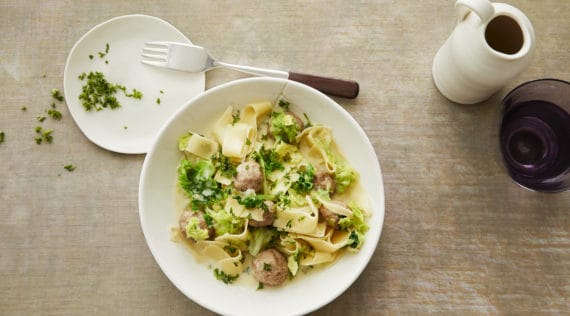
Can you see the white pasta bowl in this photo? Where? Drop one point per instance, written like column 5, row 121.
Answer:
column 195, row 279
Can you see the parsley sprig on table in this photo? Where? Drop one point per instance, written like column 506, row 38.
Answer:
column 69, row 167
column 53, row 113
column 43, row 135
column 56, row 95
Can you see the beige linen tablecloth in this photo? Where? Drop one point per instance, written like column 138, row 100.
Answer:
column 459, row 236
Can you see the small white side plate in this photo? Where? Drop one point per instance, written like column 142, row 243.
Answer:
column 132, row 128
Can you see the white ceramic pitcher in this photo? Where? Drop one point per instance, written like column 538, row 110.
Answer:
column 491, row 44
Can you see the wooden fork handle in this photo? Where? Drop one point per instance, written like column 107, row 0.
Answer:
column 337, row 87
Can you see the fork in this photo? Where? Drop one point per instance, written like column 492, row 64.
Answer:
column 192, row 58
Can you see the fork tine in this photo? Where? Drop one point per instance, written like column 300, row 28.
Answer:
column 158, row 43
column 154, row 63
column 155, row 50
column 155, row 57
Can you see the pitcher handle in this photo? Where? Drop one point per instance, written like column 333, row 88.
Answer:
column 483, row 8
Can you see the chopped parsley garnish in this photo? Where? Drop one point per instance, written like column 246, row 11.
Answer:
column 267, row 266
column 162, row 91
column 235, row 117
column 230, row 248
column 284, row 104
column 98, row 93
column 198, row 182
column 2, row 135
column 24, row 109
column 284, row 127
column 268, row 160
column 353, row 240
column 90, row 56
column 305, row 182
column 54, row 114
column 136, row 94
column 208, row 219
column 43, row 135
column 125, row 127
column 283, row 200
column 69, row 168
column 224, row 277
column 255, row 201
column 40, row 118
column 56, row 95
column 157, row 100
column 260, row 286
column 224, row 165
column 47, row 136
column 103, row 54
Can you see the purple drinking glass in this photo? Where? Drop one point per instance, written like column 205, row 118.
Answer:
column 535, row 135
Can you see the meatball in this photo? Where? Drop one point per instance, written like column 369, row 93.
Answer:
column 329, row 217
column 270, row 267
column 268, row 216
column 324, row 181
column 186, row 216
column 249, row 176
